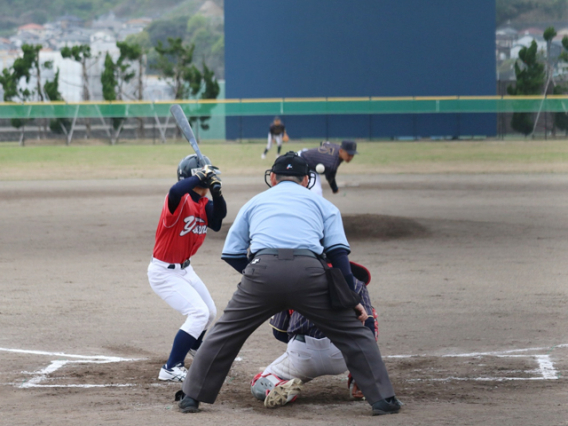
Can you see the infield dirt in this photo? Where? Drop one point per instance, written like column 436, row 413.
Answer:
column 469, row 275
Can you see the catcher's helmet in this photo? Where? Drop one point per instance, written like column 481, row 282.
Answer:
column 189, row 165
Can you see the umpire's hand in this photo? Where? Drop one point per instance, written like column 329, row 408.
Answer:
column 361, row 313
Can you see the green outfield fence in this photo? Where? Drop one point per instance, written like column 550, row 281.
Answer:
column 289, row 106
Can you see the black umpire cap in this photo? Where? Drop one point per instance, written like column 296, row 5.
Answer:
column 350, row 147
column 290, row 164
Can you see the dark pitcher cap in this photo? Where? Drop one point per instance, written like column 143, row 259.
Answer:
column 290, row 164
column 350, row 147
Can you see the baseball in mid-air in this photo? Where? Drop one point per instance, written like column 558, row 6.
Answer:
column 320, row 168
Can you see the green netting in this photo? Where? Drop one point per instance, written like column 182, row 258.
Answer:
column 247, row 107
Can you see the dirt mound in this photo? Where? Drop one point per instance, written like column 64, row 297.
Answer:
column 374, row 226
column 364, row 226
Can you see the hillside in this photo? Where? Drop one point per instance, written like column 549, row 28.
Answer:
column 518, row 12
column 14, row 13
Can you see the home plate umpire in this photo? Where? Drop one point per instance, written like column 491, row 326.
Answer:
column 287, row 228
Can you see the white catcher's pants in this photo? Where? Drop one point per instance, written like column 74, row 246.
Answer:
column 184, row 291
column 306, row 361
column 273, row 138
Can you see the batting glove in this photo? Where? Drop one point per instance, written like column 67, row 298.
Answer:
column 205, row 173
column 214, row 184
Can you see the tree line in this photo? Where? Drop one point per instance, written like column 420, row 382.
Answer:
column 535, row 76
column 174, row 63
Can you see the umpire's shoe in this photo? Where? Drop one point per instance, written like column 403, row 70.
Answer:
column 386, row 406
column 189, row 405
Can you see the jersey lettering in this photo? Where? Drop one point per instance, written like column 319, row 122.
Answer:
column 326, row 149
column 195, row 225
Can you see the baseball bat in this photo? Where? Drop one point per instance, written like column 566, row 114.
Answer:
column 185, row 127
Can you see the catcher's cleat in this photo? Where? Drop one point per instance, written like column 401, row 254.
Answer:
column 386, row 406
column 175, row 374
column 354, row 391
column 283, row 393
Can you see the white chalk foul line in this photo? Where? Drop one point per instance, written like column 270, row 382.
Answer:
column 546, row 367
column 41, row 375
column 62, row 354
column 511, row 351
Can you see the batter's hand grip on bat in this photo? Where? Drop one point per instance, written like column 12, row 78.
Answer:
column 215, row 185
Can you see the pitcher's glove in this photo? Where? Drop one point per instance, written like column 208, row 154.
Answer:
column 214, row 184
column 205, row 173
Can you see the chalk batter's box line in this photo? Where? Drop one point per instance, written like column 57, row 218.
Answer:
column 41, row 375
column 546, row 366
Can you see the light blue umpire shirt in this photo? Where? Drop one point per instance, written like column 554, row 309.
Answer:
column 287, row 215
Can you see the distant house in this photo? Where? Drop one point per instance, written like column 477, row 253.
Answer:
column 75, row 37
column 102, row 42
column 7, row 58
column 526, row 41
column 555, row 48
column 31, row 30
column 108, row 22
column 69, row 21
column 561, row 34
column 504, row 40
column 532, row 31
column 5, row 44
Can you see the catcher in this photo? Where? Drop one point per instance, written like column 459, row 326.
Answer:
column 309, row 353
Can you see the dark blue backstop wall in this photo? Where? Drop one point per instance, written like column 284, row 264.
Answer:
column 342, row 48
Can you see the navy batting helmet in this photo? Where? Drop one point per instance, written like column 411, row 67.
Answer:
column 189, row 165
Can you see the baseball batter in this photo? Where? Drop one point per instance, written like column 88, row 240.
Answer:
column 185, row 217
column 309, row 353
column 275, row 134
column 326, row 159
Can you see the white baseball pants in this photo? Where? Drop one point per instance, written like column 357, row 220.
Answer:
column 308, row 360
column 184, row 291
column 272, row 138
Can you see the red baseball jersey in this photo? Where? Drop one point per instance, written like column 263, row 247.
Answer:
column 179, row 235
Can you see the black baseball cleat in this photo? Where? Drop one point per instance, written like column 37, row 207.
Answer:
column 386, row 406
column 189, row 405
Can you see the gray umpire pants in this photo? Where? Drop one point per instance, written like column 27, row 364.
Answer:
column 271, row 285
